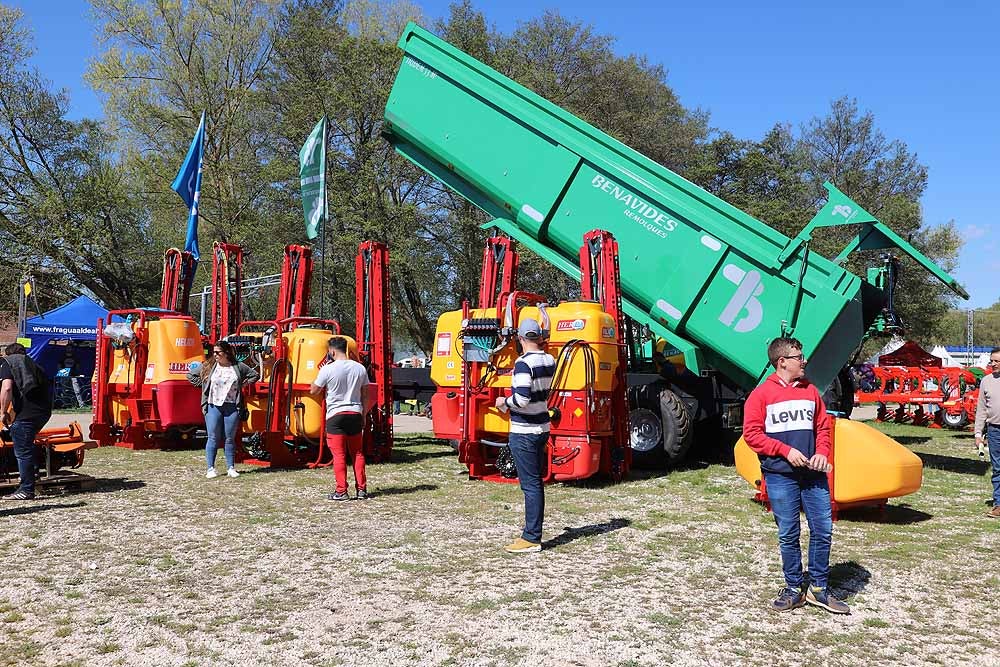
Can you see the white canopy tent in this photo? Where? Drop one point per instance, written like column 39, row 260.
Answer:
column 946, row 359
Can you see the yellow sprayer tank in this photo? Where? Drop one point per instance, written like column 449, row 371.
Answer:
column 568, row 321
column 306, row 349
column 867, row 465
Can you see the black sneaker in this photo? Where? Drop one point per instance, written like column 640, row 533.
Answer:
column 788, row 599
column 362, row 494
column 338, row 496
column 19, row 495
column 820, row 598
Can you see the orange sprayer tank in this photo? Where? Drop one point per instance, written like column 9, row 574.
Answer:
column 173, row 344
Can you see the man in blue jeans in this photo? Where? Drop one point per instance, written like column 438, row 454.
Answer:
column 25, row 389
column 529, row 429
column 786, row 423
column 987, row 427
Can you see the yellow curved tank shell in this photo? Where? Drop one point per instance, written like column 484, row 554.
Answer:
column 572, row 320
column 583, row 320
column 306, row 349
column 867, row 464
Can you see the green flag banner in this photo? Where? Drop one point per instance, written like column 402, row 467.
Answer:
column 312, row 176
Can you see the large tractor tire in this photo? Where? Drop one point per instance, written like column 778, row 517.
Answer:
column 646, row 437
column 678, row 427
column 661, row 429
column 955, row 421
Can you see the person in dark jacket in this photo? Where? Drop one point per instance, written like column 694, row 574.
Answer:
column 786, row 423
column 26, row 405
column 221, row 379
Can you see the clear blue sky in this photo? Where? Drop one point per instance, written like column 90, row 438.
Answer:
column 929, row 71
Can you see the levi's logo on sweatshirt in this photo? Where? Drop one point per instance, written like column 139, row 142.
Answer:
column 794, row 415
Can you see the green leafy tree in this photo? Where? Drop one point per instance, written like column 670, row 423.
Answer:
column 953, row 329
column 67, row 213
column 341, row 62
column 162, row 64
column 882, row 175
column 765, row 179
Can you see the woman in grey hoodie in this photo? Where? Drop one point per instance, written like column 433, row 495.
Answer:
column 221, row 379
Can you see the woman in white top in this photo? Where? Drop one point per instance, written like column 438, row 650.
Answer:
column 221, row 378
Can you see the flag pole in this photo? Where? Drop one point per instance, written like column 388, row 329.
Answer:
column 322, row 237
column 322, row 270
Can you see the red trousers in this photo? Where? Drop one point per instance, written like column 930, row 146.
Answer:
column 342, row 446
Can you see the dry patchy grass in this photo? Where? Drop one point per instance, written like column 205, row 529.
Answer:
column 162, row 567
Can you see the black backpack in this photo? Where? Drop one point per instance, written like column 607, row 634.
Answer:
column 28, row 376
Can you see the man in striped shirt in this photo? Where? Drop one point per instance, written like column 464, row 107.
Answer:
column 529, row 429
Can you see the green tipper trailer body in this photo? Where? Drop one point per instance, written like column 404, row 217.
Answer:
column 717, row 283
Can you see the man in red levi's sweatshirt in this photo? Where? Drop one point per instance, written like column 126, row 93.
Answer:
column 786, row 423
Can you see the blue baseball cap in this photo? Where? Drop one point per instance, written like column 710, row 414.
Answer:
column 528, row 328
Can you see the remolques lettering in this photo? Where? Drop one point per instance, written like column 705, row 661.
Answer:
column 636, row 208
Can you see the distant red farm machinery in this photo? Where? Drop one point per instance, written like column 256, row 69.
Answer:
column 942, row 397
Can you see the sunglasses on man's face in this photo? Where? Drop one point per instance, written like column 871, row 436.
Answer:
column 800, row 357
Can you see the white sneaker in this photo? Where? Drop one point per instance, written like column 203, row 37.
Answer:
column 211, row 473
column 232, row 472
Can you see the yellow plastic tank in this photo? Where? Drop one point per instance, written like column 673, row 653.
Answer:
column 867, row 464
column 667, row 354
column 306, row 349
column 574, row 320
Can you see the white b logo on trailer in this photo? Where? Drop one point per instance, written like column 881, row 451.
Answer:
column 748, row 288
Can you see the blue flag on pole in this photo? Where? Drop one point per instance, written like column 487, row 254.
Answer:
column 188, row 184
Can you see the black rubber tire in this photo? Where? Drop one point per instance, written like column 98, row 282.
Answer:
column 945, row 388
column 955, row 422
column 678, row 427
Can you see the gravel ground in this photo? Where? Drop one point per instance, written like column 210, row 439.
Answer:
column 159, row 566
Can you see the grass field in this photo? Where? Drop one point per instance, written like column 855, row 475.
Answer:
column 159, row 566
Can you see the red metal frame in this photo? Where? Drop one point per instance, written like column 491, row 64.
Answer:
column 293, row 303
column 497, row 284
column 374, row 347
column 374, row 331
column 144, row 429
column 600, row 280
column 296, row 281
column 227, row 290
column 906, row 387
column 178, row 276
column 499, row 275
column 603, row 422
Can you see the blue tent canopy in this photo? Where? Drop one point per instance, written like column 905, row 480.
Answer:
column 70, row 329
